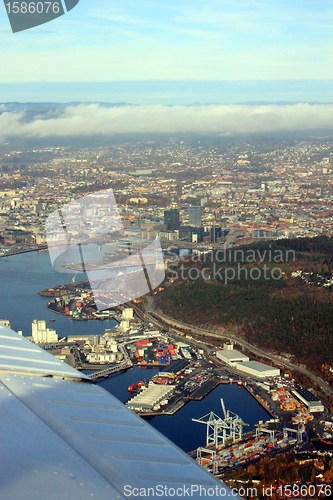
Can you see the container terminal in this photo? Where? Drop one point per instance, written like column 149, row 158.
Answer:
column 227, row 447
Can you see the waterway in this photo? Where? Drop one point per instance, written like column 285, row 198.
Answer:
column 179, row 428
column 23, row 276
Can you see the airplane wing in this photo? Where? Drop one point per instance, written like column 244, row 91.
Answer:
column 63, row 437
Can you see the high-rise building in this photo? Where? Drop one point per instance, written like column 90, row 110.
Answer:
column 215, row 234
column 195, row 216
column 41, row 334
column 196, row 235
column 171, row 219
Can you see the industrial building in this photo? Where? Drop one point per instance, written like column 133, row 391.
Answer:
column 150, row 397
column 176, row 367
column 41, row 334
column 127, row 313
column 312, row 403
column 231, row 356
column 257, row 369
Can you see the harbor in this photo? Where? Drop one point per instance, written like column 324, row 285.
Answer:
column 76, row 301
column 199, row 390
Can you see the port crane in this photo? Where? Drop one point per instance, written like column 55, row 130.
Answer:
column 262, row 430
column 298, row 432
column 219, row 430
column 208, row 456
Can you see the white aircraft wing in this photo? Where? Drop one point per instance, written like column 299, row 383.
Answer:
column 63, row 437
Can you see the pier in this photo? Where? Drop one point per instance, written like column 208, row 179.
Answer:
column 110, row 370
column 261, row 401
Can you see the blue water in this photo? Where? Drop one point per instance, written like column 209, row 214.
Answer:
column 22, row 276
column 179, row 428
column 118, row 384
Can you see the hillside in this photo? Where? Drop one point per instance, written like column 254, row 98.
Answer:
column 293, row 314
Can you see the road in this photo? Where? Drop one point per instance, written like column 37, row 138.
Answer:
column 161, row 319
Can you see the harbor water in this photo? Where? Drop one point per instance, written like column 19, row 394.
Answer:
column 23, row 276
column 179, row 427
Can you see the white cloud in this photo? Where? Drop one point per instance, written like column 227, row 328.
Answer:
column 85, row 120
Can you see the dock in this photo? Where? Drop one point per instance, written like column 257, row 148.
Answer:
column 260, row 401
column 110, row 370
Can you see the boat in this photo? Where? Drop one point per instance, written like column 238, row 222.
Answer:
column 136, row 387
column 52, row 320
column 326, row 442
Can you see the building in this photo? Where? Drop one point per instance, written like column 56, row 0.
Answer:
column 104, row 357
column 127, row 313
column 124, row 325
column 312, row 403
column 196, row 235
column 195, row 216
column 215, row 234
column 231, row 356
column 264, row 234
column 175, row 368
column 41, row 334
column 150, row 397
column 169, row 235
column 171, row 219
column 257, row 369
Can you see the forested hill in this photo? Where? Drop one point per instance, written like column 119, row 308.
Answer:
column 293, row 314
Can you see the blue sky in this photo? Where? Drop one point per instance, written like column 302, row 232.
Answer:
column 173, row 40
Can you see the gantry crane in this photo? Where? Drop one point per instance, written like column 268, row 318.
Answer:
column 219, row 430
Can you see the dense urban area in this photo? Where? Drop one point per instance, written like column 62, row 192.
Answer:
column 242, row 191
column 204, row 327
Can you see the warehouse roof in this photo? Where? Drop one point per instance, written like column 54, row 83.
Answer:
column 233, row 354
column 150, row 396
column 176, row 366
column 256, row 365
column 307, row 395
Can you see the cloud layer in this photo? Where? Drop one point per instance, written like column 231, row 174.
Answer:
column 93, row 119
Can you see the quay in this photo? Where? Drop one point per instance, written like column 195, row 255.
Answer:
column 110, row 370
column 260, row 400
column 206, row 388
column 181, row 401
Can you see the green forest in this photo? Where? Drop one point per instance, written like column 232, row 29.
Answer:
column 288, row 314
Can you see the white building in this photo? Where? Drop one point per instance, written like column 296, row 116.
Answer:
column 127, row 313
column 312, row 403
column 41, row 334
column 258, row 369
column 124, row 325
column 231, row 356
column 102, row 357
column 150, row 397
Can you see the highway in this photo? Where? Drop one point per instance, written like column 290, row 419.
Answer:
column 161, row 320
